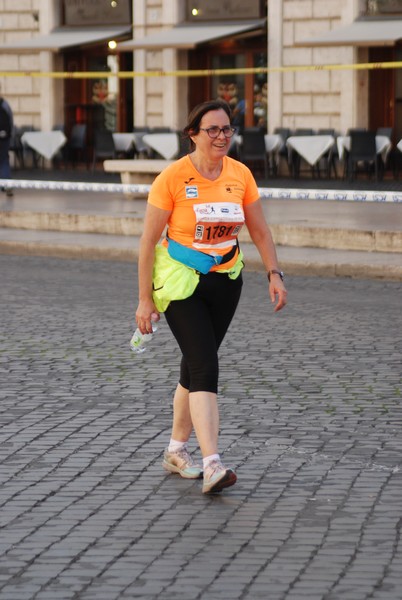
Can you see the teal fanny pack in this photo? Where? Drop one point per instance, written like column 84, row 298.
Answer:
column 194, row 259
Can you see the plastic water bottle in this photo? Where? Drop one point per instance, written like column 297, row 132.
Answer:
column 140, row 341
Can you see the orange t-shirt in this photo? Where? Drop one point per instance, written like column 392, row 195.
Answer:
column 206, row 215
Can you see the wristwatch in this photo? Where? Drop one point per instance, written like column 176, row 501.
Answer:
column 272, row 271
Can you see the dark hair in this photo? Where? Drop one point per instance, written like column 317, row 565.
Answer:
column 195, row 117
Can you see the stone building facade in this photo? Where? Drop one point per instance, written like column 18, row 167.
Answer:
column 19, row 20
column 338, row 98
column 318, row 99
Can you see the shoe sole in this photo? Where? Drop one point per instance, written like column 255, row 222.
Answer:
column 172, row 469
column 227, row 480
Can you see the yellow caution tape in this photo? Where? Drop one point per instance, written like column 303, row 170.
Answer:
column 199, row 72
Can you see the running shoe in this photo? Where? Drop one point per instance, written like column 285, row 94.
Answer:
column 182, row 463
column 217, row 477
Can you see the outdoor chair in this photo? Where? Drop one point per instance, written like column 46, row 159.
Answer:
column 387, row 131
column 392, row 156
column 160, row 130
column 356, row 130
column 303, row 131
column 331, row 156
column 346, row 152
column 103, row 146
column 27, row 150
column 17, row 147
column 184, row 145
column 76, row 147
column 283, row 153
column 140, row 149
column 363, row 152
column 253, row 150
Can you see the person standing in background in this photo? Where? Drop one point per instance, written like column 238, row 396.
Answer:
column 6, row 129
column 238, row 115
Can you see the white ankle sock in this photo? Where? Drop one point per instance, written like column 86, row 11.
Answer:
column 208, row 459
column 175, row 446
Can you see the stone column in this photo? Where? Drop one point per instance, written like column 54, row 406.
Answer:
column 51, row 90
column 158, row 100
column 275, row 59
column 354, row 88
column 139, row 64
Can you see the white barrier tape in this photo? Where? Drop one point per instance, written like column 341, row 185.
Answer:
column 266, row 193
column 346, row 195
column 74, row 186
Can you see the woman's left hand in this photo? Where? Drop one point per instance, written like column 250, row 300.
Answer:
column 277, row 292
column 262, row 238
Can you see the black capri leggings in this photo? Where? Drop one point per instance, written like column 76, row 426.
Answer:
column 199, row 324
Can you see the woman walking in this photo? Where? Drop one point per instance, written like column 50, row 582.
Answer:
column 194, row 276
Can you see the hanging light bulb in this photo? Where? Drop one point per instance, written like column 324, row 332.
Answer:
column 113, row 3
column 112, row 45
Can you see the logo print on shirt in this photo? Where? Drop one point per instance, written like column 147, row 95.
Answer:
column 191, row 191
column 189, row 180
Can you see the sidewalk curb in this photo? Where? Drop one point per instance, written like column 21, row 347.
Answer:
column 67, row 251
column 333, row 238
column 72, row 222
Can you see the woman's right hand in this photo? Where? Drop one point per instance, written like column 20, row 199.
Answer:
column 145, row 314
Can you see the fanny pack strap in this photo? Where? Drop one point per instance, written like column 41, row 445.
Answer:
column 226, row 257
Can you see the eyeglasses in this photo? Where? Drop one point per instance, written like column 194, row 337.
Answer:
column 215, row 131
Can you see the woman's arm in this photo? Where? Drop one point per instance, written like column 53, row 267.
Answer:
column 154, row 223
column 262, row 238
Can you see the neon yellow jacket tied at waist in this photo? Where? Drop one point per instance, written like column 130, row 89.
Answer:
column 174, row 281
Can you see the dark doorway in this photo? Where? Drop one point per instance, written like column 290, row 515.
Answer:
column 383, row 111
column 246, row 92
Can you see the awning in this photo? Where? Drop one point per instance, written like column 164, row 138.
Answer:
column 65, row 37
column 187, row 36
column 360, row 33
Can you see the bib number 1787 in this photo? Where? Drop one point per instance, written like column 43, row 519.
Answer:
column 209, row 233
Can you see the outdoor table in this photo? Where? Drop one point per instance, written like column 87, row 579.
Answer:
column 123, row 142
column 45, row 143
column 310, row 147
column 273, row 142
column 140, row 146
column 166, row 144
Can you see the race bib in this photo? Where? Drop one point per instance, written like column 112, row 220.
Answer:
column 217, row 225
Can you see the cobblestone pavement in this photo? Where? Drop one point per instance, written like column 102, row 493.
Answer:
column 311, row 420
